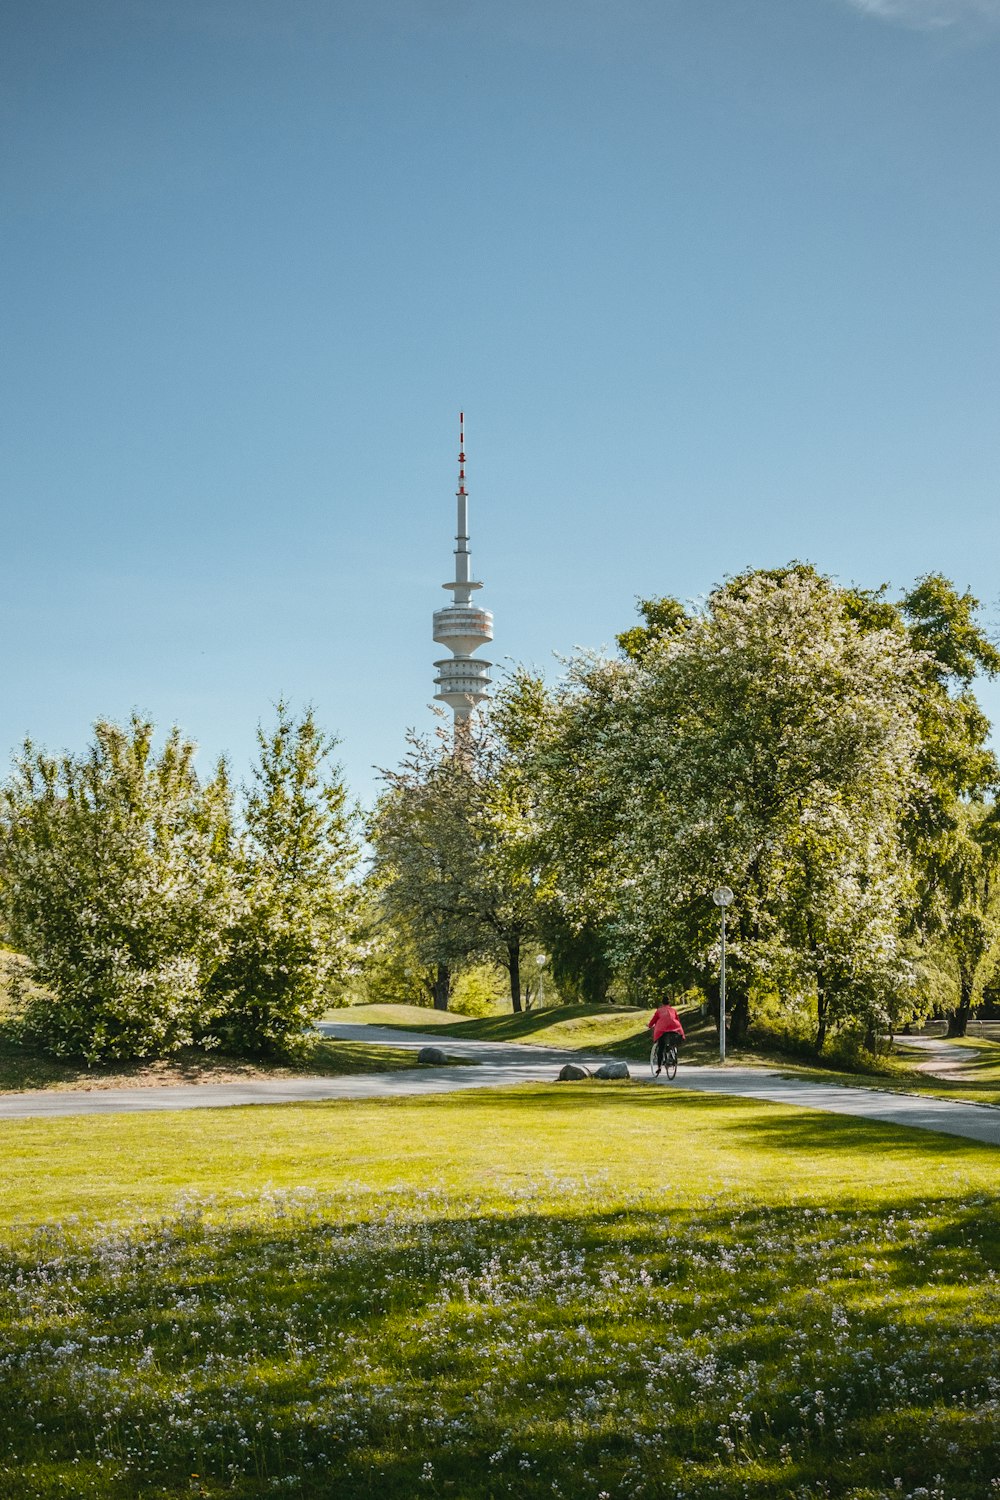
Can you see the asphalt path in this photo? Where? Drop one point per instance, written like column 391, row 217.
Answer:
column 945, row 1059
column 499, row 1065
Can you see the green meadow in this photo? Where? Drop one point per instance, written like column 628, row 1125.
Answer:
column 546, row 1291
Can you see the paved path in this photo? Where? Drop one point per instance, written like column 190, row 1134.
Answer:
column 499, row 1065
column 955, row 1059
column 934, row 1055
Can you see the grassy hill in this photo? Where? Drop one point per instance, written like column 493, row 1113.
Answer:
column 619, row 1030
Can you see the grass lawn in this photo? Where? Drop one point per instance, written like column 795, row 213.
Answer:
column 547, row 1291
column 412, row 1017
column 972, row 1073
column 21, row 1069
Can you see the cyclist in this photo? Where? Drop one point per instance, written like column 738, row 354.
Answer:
column 665, row 1024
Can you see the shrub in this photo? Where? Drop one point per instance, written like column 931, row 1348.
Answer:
column 476, row 992
column 116, row 885
column 290, row 947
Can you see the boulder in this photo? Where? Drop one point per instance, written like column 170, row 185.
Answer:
column 571, row 1071
column 613, row 1070
column 431, row 1055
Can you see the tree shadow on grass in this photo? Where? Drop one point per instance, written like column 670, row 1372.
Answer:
column 808, row 1130
column 730, row 1349
column 663, row 1111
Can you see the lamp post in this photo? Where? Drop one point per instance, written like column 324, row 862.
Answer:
column 541, row 960
column 722, row 897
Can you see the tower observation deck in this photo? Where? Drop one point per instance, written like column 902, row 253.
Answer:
column 463, row 680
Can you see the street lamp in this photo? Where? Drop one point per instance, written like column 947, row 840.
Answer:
column 722, row 897
column 541, row 960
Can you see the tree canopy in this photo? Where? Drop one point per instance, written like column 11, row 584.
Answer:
column 157, row 913
column 818, row 748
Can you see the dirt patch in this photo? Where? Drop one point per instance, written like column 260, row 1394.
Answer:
column 20, row 1071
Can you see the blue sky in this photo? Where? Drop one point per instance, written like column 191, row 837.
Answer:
column 717, row 283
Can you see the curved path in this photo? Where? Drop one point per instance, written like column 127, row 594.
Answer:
column 952, row 1058
column 501, row 1064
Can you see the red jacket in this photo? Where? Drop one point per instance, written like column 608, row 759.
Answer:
column 663, row 1019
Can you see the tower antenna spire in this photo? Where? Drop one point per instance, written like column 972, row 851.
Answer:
column 462, row 681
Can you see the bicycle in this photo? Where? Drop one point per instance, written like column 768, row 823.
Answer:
column 669, row 1059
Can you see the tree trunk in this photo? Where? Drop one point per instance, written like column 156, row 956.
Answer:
column 821, row 1020
column 958, row 1021
column 739, row 1020
column 442, row 987
column 514, row 966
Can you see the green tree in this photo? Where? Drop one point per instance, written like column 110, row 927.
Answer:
column 578, row 952
column 420, row 835
column 966, row 905
column 507, row 892
column 291, row 946
column 943, row 624
column 389, row 967
column 958, row 770
column 520, row 714
column 661, row 618
column 453, row 853
column 841, row 896
column 768, row 743
column 116, row 884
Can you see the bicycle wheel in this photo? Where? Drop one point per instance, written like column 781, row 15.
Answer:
column 670, row 1063
column 652, row 1058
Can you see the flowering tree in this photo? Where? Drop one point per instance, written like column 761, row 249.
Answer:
column 768, row 742
column 116, row 884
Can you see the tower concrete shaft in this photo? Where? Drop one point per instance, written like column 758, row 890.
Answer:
column 462, row 680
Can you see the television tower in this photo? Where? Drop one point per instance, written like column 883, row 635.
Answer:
column 462, row 680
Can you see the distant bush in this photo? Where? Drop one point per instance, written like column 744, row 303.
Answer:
column 845, row 1050
column 477, row 992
